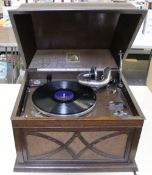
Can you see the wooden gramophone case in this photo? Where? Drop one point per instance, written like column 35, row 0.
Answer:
column 48, row 36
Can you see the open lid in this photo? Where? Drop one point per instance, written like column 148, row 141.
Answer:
column 111, row 26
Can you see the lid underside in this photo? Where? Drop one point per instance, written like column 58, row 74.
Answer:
column 92, row 26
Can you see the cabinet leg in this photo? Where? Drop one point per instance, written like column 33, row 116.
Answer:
column 135, row 173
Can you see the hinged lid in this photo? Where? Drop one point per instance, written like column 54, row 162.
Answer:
column 109, row 26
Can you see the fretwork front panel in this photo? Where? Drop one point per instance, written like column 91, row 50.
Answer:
column 95, row 146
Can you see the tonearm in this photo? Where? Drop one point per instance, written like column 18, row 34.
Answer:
column 97, row 80
column 93, row 79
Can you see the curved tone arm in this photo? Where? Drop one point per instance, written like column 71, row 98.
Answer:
column 84, row 79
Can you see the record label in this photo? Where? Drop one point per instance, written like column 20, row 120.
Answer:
column 63, row 95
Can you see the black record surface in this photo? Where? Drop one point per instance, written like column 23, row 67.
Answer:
column 64, row 98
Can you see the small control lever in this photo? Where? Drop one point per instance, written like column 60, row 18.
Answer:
column 49, row 78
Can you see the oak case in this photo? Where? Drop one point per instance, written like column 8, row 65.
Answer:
column 98, row 141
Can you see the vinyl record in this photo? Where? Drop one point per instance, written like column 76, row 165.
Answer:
column 64, row 98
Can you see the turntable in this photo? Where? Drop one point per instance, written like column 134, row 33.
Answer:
column 75, row 111
column 63, row 98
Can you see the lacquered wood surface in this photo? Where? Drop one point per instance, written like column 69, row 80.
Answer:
column 31, row 131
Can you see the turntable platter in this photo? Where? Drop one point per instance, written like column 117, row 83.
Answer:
column 64, row 98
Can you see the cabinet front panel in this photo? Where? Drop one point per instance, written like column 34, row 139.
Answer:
column 104, row 146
